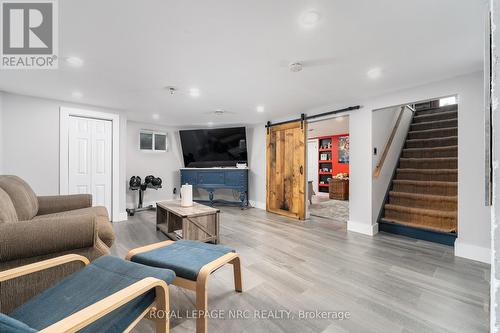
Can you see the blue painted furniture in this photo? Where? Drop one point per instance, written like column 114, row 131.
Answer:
column 211, row 179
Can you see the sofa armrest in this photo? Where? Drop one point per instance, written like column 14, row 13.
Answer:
column 25, row 239
column 62, row 203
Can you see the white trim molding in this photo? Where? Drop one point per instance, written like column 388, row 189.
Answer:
column 64, row 114
column 474, row 252
column 362, row 228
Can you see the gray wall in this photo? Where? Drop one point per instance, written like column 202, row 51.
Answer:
column 495, row 265
column 30, row 136
column 165, row 165
column 1, row 136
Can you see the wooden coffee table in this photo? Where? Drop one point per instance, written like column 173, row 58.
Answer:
column 198, row 222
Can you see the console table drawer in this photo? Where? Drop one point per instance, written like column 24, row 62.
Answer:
column 235, row 178
column 210, row 177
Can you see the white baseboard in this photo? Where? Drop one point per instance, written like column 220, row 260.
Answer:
column 257, row 204
column 363, row 228
column 472, row 252
column 122, row 217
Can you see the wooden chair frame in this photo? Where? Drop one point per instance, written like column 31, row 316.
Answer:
column 200, row 285
column 90, row 314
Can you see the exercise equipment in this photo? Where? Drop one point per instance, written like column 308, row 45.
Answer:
column 136, row 185
column 156, row 181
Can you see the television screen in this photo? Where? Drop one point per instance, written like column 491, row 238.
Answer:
column 218, row 147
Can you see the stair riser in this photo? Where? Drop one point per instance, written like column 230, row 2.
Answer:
column 425, row 189
column 425, row 220
column 432, row 143
column 442, row 205
column 433, row 134
column 447, row 152
column 432, row 125
column 428, row 164
column 435, row 116
column 439, row 110
column 440, row 177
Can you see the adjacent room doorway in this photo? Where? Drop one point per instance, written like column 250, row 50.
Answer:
column 328, row 168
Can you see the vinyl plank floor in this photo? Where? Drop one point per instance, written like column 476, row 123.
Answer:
column 387, row 283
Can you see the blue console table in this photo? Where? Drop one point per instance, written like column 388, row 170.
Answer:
column 211, row 179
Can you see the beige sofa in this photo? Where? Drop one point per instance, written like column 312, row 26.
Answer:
column 34, row 228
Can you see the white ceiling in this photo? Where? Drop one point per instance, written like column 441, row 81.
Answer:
column 236, row 53
column 332, row 126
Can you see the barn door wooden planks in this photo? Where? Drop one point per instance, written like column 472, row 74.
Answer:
column 286, row 179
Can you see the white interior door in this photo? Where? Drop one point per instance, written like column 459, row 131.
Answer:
column 90, row 156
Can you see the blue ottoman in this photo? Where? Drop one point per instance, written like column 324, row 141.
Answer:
column 192, row 262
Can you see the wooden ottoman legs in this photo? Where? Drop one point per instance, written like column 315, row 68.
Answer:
column 202, row 284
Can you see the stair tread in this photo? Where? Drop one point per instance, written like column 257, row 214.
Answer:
column 453, row 107
column 421, row 211
column 428, row 158
column 423, row 196
column 425, row 182
column 435, row 121
column 417, row 225
column 434, row 129
column 423, row 116
column 428, row 171
column 430, row 148
column 430, row 139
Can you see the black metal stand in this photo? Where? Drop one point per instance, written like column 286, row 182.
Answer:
column 141, row 189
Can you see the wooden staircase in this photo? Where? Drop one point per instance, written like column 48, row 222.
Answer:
column 422, row 197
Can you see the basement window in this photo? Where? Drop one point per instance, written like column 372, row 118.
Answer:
column 152, row 141
column 448, row 101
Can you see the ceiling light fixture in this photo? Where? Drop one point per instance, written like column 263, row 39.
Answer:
column 260, row 109
column 374, row 73
column 219, row 112
column 155, row 116
column 194, row 92
column 295, row 67
column 74, row 61
column 210, row 123
column 77, row 94
column 310, row 18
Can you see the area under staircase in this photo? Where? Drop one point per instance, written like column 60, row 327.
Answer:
column 422, row 198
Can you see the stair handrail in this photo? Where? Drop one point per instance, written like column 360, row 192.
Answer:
column 380, row 164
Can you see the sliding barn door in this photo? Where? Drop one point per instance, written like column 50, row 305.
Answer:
column 286, row 174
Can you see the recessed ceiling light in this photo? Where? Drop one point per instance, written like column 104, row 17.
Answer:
column 309, row 18
column 374, row 73
column 260, row 109
column 219, row 112
column 210, row 123
column 74, row 61
column 76, row 94
column 156, row 116
column 194, row 92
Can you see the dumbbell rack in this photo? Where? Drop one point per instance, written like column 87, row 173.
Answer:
column 143, row 187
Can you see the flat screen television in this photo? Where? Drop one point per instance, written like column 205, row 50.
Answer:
column 217, row 147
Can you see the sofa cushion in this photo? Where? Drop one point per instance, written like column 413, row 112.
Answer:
column 103, row 277
column 104, row 227
column 22, row 196
column 11, row 325
column 7, row 210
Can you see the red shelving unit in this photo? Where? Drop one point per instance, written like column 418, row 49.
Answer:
column 328, row 160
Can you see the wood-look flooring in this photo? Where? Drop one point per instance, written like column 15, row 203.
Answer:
column 387, row 283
